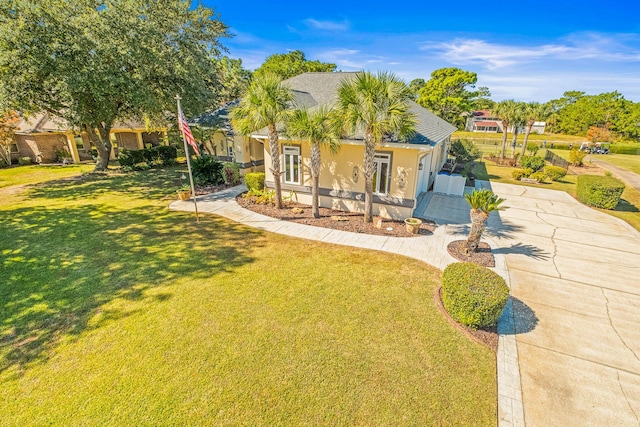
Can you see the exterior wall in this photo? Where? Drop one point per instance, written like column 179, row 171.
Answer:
column 153, row 138
column 45, row 145
column 249, row 153
column 342, row 182
column 128, row 140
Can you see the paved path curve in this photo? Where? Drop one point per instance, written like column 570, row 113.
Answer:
column 630, row 178
column 569, row 342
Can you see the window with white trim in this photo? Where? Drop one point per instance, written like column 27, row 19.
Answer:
column 291, row 164
column 381, row 173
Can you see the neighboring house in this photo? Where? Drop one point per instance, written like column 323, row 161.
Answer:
column 220, row 140
column 52, row 137
column 403, row 171
column 485, row 121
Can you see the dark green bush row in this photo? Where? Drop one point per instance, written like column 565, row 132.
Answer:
column 254, row 181
column 162, row 154
column 532, row 162
column 599, row 191
column 473, row 295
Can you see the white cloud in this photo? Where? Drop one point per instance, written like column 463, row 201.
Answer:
column 328, row 25
column 580, row 46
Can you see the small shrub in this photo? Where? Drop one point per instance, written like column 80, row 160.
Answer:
column 231, row 173
column 517, row 174
column 599, row 191
column 555, row 173
column 532, row 148
column 262, row 197
column 539, row 176
column 255, row 181
column 532, row 162
column 464, row 151
column 167, row 154
column 473, row 295
column 24, row 161
column 129, row 158
column 207, row 170
column 576, row 157
column 142, row 166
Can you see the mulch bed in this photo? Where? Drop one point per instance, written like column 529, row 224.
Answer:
column 485, row 336
column 482, row 256
column 333, row 219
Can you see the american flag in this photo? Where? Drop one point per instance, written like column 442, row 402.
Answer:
column 184, row 127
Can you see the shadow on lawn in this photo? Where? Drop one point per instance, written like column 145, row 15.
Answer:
column 62, row 263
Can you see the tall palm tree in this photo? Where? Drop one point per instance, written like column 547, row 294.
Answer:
column 518, row 120
column 534, row 111
column 482, row 203
column 378, row 106
column 318, row 127
column 505, row 111
column 266, row 103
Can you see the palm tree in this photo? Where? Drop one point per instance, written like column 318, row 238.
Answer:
column 318, row 127
column 518, row 120
column 505, row 110
column 482, row 203
column 378, row 106
column 534, row 111
column 266, row 103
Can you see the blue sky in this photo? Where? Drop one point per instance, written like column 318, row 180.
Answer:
column 530, row 51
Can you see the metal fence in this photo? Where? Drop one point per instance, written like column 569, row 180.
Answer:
column 556, row 160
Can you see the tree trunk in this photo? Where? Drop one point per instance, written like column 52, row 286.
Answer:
column 505, row 125
column 526, row 138
column 369, row 157
column 274, row 149
column 478, row 221
column 99, row 137
column 514, row 142
column 315, row 177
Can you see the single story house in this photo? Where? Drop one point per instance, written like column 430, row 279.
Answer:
column 403, row 170
column 52, row 137
column 485, row 121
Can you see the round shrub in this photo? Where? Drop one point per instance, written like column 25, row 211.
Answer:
column 473, row 295
column 539, row 176
column 599, row 191
column 521, row 173
column 22, row 161
column 254, row 181
column 532, row 162
column 555, row 173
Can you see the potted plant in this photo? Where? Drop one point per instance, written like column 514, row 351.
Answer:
column 184, row 192
column 413, row 225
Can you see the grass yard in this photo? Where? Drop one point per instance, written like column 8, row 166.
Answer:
column 626, row 161
column 22, row 175
column 116, row 311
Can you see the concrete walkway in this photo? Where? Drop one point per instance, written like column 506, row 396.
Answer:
column 629, row 178
column 569, row 341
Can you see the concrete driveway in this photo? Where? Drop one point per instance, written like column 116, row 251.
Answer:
column 575, row 279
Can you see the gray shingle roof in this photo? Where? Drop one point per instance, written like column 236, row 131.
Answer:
column 314, row 89
column 323, row 87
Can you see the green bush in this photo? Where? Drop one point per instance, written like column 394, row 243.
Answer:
column 532, row 162
column 231, row 173
column 473, row 295
column 207, row 170
column 555, row 173
column 464, row 151
column 599, row 191
column 24, row 161
column 129, row 158
column 576, row 157
column 167, row 154
column 521, row 173
column 254, row 181
column 539, row 176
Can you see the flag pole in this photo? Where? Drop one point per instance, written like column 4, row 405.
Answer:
column 186, row 151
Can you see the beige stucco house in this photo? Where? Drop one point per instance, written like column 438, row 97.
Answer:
column 404, row 170
column 49, row 136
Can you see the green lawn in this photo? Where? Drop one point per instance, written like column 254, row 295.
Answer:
column 116, row 311
column 21, row 175
column 627, row 161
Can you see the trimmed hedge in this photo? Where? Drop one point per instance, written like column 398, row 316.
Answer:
column 473, row 295
column 163, row 154
column 22, row 161
column 599, row 191
column 254, row 181
column 521, row 173
column 555, row 173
